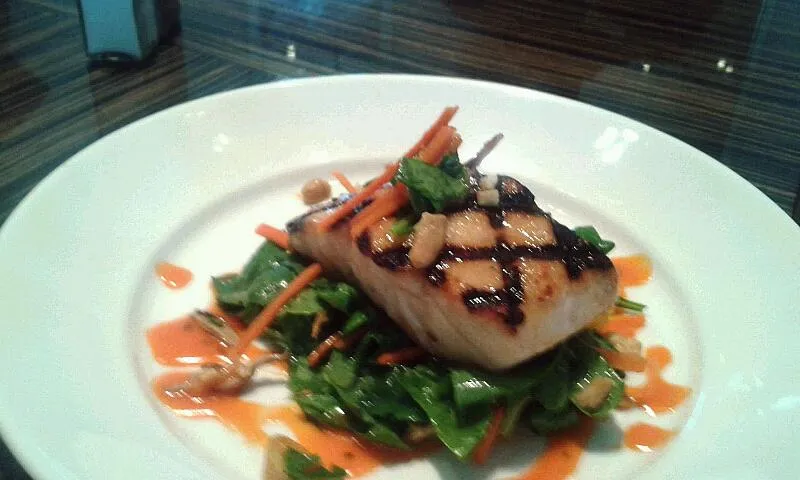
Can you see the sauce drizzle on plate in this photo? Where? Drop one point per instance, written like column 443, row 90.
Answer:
column 562, row 454
column 173, row 276
column 657, row 395
column 646, row 438
column 183, row 342
column 248, row 419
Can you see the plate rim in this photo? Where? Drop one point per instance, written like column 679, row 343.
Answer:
column 39, row 464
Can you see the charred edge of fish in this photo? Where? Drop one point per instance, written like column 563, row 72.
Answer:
column 297, row 224
column 394, row 259
column 352, row 214
column 362, row 242
column 516, row 196
column 578, row 255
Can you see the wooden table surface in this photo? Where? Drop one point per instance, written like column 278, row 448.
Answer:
column 721, row 75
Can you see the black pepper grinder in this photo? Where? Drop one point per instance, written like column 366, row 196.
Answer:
column 125, row 32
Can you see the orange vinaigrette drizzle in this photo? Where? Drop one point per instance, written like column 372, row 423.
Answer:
column 181, row 342
column 173, row 276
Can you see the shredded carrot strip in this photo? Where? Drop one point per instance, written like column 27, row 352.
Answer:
column 439, row 132
column 358, row 198
column 433, row 152
column 444, row 119
column 334, row 342
column 367, row 211
column 381, row 207
column 279, row 237
column 404, row 356
column 345, row 182
column 323, row 349
column 270, row 312
column 627, row 362
column 344, row 343
column 484, row 448
column 397, row 197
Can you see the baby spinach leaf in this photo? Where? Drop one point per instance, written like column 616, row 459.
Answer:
column 358, row 319
column 315, row 396
column 383, row 397
column 338, row 295
column 340, row 371
column 267, row 272
column 433, row 393
column 598, row 370
column 552, row 392
column 323, row 408
column 516, row 407
column 305, row 303
column 303, row 466
column 431, row 188
column 292, row 333
column 474, row 387
column 544, row 421
column 451, row 165
column 591, row 235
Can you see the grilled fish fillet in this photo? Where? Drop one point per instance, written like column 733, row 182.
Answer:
column 507, row 283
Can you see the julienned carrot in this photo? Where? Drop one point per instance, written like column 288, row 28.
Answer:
column 397, row 197
column 279, row 237
column 334, row 342
column 404, row 356
column 344, row 343
column 359, row 198
column 345, row 182
column 434, row 151
column 374, row 186
column 323, row 349
column 270, row 312
column 384, row 206
column 484, row 448
column 627, row 362
column 444, row 119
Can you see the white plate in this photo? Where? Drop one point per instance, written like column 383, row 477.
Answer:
column 188, row 185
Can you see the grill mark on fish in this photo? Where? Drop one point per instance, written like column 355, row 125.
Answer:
column 480, row 300
column 393, row 259
column 516, row 294
column 436, row 274
column 578, row 255
column 496, row 218
column 363, row 244
column 575, row 254
column 576, row 258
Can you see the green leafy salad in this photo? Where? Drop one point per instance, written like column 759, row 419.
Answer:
column 399, row 406
column 429, row 399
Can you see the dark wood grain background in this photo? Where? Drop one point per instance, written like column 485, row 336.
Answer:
column 722, row 75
